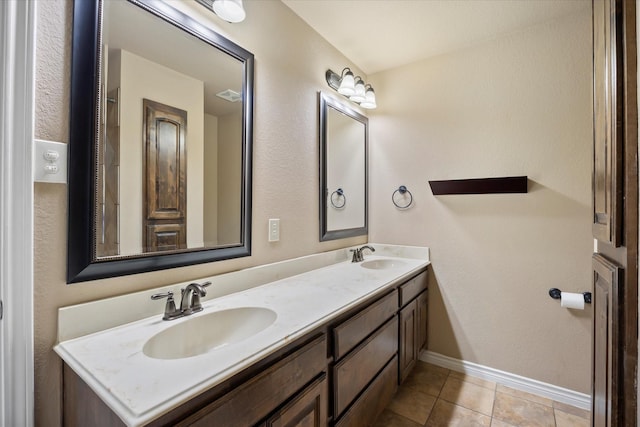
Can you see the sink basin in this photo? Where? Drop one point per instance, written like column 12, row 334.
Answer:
column 382, row 264
column 205, row 333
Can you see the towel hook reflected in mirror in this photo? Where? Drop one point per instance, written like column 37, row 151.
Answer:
column 338, row 199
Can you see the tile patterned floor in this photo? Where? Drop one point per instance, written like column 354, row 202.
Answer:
column 437, row 397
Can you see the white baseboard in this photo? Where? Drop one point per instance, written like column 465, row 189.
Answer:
column 550, row 391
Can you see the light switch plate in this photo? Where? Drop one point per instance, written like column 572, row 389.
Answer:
column 274, row 230
column 49, row 161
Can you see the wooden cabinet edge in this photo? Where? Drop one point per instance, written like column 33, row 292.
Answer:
column 82, row 406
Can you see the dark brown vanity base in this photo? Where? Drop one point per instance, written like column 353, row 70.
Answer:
column 342, row 374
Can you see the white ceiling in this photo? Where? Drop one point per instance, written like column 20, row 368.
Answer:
column 377, row 35
column 133, row 29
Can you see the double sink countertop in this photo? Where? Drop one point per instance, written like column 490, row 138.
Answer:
column 139, row 388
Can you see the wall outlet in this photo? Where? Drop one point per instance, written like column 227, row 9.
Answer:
column 274, row 230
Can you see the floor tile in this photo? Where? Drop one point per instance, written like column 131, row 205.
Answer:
column 569, row 409
column 468, row 395
column 524, row 395
column 427, row 378
column 450, row 415
column 497, row 423
column 474, row 380
column 564, row 419
column 391, row 419
column 521, row 412
column 412, row 404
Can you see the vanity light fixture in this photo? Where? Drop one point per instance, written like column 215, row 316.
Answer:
column 358, row 96
column 347, row 83
column 352, row 87
column 369, row 98
column 229, row 10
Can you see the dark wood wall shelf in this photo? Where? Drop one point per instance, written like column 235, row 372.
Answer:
column 508, row 184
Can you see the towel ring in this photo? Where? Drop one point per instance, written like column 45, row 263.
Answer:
column 340, row 193
column 402, row 190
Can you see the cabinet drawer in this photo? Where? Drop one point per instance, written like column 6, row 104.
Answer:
column 354, row 372
column 308, row 408
column 350, row 333
column 376, row 397
column 412, row 288
column 258, row 397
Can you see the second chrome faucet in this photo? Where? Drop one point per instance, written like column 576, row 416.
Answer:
column 358, row 255
column 189, row 304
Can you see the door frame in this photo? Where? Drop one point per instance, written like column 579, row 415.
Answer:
column 17, row 72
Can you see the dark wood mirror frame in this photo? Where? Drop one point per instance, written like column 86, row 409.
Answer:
column 326, row 102
column 82, row 264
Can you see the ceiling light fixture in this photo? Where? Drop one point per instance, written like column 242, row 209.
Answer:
column 352, row 87
column 229, row 10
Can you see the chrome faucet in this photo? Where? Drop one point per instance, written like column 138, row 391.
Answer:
column 191, row 298
column 358, row 256
column 189, row 304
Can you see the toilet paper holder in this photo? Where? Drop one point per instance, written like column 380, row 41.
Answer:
column 555, row 294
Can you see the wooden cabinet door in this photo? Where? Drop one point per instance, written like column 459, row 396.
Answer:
column 615, row 215
column 408, row 351
column 606, row 343
column 307, row 409
column 607, row 116
column 422, row 321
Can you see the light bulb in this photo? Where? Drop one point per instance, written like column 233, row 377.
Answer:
column 347, row 83
column 370, row 99
column 359, row 94
column 229, row 10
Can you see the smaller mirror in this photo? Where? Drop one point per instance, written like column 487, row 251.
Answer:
column 344, row 135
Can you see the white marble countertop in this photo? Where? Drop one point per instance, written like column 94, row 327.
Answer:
column 140, row 389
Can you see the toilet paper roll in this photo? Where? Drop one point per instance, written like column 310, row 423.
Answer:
column 572, row 300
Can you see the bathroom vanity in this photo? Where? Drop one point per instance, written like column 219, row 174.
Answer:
column 344, row 337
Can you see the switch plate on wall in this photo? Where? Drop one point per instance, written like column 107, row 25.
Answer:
column 274, row 230
column 49, row 161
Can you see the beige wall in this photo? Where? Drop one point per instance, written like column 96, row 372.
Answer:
column 229, row 178
column 290, row 67
column 142, row 79
column 211, row 180
column 517, row 105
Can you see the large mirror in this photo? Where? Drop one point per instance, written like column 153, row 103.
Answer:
column 160, row 147
column 343, row 170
